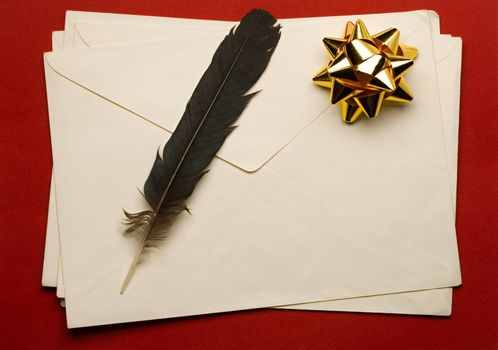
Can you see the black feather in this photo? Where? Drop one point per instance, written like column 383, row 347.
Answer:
column 215, row 105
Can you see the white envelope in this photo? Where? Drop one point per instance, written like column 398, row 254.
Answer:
column 447, row 50
column 379, row 261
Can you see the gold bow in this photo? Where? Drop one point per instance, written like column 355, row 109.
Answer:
column 365, row 70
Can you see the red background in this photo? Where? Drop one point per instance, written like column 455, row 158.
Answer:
column 29, row 314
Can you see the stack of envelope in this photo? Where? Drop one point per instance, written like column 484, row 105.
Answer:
column 299, row 210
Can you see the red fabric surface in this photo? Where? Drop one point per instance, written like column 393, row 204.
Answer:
column 29, row 314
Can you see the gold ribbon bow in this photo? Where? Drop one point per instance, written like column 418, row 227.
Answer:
column 365, row 70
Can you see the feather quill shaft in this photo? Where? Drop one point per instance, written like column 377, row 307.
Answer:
column 215, row 105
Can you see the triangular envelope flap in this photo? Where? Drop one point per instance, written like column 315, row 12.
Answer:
column 155, row 80
column 220, row 258
column 73, row 17
column 110, row 34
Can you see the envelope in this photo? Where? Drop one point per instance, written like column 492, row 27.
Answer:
column 382, row 255
column 434, row 302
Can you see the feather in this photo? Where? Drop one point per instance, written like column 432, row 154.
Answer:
column 215, row 105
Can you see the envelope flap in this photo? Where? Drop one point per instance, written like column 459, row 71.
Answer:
column 145, row 79
column 73, row 17
column 110, row 34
